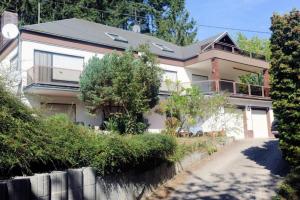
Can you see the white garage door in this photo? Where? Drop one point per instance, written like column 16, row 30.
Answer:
column 259, row 123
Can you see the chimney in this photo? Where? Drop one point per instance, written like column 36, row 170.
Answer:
column 7, row 18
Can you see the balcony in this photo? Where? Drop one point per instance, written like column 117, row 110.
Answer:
column 52, row 81
column 53, row 76
column 230, row 48
column 235, row 89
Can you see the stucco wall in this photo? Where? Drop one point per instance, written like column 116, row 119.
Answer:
column 184, row 75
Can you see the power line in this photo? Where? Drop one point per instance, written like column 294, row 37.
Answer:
column 144, row 17
column 201, row 25
column 234, row 29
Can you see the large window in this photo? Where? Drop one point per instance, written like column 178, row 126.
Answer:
column 58, row 67
column 58, row 108
column 168, row 76
column 201, row 82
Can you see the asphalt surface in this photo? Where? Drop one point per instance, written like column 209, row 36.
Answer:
column 248, row 169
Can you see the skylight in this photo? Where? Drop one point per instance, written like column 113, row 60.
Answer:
column 163, row 47
column 116, row 37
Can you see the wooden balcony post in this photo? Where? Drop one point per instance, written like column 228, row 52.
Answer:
column 215, row 73
column 266, row 82
column 249, row 90
column 234, row 87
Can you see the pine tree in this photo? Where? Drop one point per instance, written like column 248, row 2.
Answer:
column 166, row 19
column 285, row 81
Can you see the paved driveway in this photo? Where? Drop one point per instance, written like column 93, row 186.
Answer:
column 248, row 169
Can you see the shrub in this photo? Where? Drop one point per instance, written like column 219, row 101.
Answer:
column 31, row 144
column 290, row 188
column 117, row 153
column 285, row 82
column 75, row 146
column 123, row 86
column 22, row 141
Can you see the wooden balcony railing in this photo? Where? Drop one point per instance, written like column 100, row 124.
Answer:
column 53, row 75
column 231, row 87
column 233, row 49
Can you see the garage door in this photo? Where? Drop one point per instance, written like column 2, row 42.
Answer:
column 259, row 123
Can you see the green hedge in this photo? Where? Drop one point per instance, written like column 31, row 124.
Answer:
column 22, row 142
column 77, row 146
column 31, row 144
column 290, row 188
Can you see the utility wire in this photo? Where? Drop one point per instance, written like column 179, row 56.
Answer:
column 234, row 29
column 144, row 17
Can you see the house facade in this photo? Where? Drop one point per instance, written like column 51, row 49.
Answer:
column 50, row 57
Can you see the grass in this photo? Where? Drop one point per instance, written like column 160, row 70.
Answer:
column 203, row 144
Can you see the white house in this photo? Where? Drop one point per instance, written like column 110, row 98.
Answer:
column 50, row 58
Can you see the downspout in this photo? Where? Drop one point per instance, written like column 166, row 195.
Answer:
column 19, row 66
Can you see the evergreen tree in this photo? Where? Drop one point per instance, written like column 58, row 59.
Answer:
column 254, row 45
column 285, row 81
column 166, row 19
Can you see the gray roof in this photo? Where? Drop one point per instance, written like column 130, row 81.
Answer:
column 95, row 33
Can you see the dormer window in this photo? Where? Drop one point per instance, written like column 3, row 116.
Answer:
column 116, row 37
column 163, row 47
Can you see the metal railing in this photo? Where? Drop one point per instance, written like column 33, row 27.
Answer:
column 48, row 75
column 233, row 49
column 231, row 87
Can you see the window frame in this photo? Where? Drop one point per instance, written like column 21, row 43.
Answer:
column 60, row 54
column 163, row 47
column 162, row 80
column 73, row 105
column 116, row 37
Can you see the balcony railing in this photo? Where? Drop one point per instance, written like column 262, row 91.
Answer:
column 53, row 75
column 233, row 49
column 231, row 87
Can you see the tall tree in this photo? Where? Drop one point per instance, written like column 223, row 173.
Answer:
column 166, row 19
column 285, row 81
column 123, row 87
column 254, row 45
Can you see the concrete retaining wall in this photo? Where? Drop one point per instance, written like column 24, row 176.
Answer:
column 83, row 184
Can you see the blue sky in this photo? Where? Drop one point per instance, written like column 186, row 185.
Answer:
column 242, row 14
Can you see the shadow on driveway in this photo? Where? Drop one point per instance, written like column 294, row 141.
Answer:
column 254, row 175
column 268, row 156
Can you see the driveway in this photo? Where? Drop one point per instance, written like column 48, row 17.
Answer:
column 248, row 169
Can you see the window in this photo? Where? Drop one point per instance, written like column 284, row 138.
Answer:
column 116, row 37
column 168, row 76
column 59, row 108
column 196, row 77
column 67, row 62
column 163, row 47
column 201, row 82
column 58, row 67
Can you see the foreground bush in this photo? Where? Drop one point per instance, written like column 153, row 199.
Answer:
column 290, row 188
column 30, row 144
column 285, row 82
column 22, row 141
column 77, row 146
